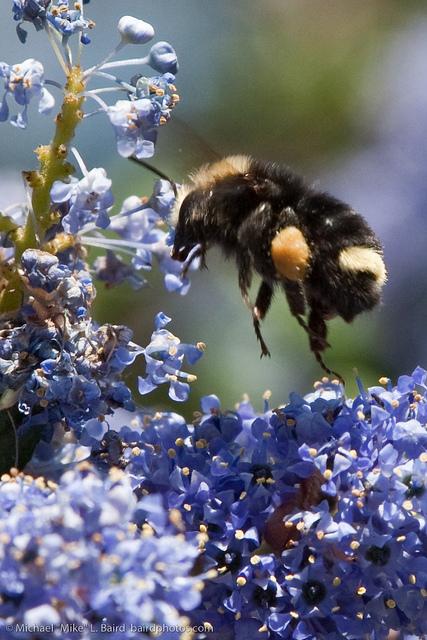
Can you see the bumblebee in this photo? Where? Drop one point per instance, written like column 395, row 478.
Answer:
column 317, row 249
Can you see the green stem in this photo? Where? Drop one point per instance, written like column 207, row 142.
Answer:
column 53, row 166
column 53, row 163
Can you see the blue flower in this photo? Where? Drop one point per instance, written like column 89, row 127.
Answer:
column 33, row 11
column 68, row 21
column 84, row 201
column 164, row 357
column 134, row 124
column 24, row 82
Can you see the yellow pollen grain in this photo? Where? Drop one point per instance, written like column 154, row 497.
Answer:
column 423, row 456
column 294, row 614
column 255, row 560
column 360, row 615
column 354, row 545
column 136, row 451
column 239, row 534
column 360, row 415
column 203, row 528
column 179, row 442
column 300, row 526
column 312, row 559
column 313, row 452
column 335, row 609
column 237, row 616
column 327, row 474
column 171, row 453
column 400, row 538
column 361, row 591
column 175, row 517
column 412, row 578
column 390, row 603
column 317, row 384
column 394, row 404
column 353, row 453
column 241, row 581
column 263, row 629
column 187, row 506
column 336, row 581
column 201, row 444
column 147, row 530
column 185, row 471
column 384, row 380
column 407, row 504
column 418, row 397
column 289, row 577
column 320, row 535
column 266, row 434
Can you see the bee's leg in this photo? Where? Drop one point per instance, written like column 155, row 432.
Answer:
column 263, row 299
column 316, row 328
column 244, row 266
column 198, row 252
column 295, row 297
column 318, row 332
column 259, row 311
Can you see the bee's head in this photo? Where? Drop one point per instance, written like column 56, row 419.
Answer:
column 187, row 236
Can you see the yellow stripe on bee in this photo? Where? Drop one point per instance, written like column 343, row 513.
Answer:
column 290, row 253
column 363, row 259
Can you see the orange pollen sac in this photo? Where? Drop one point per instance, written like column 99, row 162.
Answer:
column 290, row 253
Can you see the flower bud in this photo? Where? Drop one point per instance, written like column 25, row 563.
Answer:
column 134, row 31
column 162, row 58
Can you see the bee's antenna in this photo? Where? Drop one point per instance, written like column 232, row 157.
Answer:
column 194, row 134
column 157, row 172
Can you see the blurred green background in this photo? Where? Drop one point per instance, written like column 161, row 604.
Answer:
column 302, row 82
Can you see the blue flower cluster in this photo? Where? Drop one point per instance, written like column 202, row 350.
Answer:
column 59, row 366
column 55, row 362
column 65, row 16
column 149, row 105
column 77, row 554
column 313, row 514
column 140, row 225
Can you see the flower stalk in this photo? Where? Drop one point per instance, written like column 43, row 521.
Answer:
column 53, row 161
